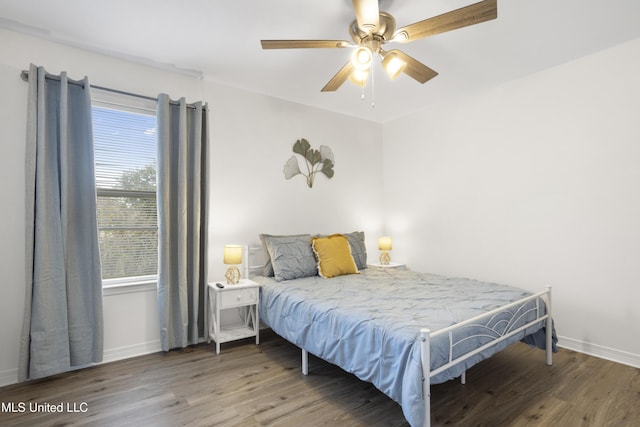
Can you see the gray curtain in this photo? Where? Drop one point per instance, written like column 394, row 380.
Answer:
column 63, row 326
column 182, row 221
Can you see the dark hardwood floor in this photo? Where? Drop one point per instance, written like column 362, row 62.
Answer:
column 248, row 385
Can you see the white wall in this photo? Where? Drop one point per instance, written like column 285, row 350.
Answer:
column 250, row 140
column 252, row 137
column 532, row 183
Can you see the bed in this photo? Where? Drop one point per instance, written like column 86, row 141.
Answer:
column 393, row 327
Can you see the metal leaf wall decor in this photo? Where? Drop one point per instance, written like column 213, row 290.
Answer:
column 315, row 161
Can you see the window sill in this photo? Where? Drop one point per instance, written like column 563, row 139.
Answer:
column 130, row 287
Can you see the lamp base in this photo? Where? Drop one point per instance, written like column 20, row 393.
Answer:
column 385, row 258
column 232, row 275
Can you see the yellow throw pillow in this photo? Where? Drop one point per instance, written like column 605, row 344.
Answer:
column 334, row 256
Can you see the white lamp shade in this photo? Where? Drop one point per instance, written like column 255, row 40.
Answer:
column 233, row 254
column 384, row 243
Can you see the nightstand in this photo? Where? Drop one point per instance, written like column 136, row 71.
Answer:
column 244, row 295
column 390, row 265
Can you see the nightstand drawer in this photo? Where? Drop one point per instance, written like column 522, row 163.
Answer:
column 235, row 297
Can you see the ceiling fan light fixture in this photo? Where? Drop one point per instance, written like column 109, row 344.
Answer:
column 373, row 28
column 361, row 58
column 393, row 65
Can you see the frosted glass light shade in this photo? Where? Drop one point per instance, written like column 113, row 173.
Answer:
column 361, row 58
column 393, row 65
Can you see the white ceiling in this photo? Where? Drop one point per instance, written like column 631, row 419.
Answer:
column 220, row 40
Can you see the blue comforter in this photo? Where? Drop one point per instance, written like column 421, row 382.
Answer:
column 369, row 324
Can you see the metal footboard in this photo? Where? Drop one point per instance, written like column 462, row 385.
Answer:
column 426, row 336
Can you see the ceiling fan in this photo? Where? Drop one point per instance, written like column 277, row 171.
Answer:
column 372, row 29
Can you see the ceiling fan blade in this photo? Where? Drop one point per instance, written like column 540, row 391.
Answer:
column 302, row 44
column 463, row 17
column 414, row 68
column 367, row 14
column 340, row 77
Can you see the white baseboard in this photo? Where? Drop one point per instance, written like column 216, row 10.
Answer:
column 8, row 377
column 119, row 353
column 110, row 355
column 602, row 352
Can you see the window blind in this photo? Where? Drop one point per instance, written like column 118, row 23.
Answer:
column 125, row 157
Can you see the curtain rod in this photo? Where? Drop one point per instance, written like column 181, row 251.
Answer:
column 25, row 76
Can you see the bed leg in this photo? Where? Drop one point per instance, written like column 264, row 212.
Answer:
column 425, row 357
column 463, row 378
column 549, row 330
column 305, row 362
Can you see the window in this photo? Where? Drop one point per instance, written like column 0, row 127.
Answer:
column 125, row 156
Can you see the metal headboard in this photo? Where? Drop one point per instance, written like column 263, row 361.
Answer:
column 254, row 260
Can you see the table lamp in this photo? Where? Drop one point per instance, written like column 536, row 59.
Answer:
column 232, row 257
column 384, row 245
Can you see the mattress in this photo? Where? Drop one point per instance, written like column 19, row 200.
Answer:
column 369, row 324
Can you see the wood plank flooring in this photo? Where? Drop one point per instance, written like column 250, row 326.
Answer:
column 248, row 385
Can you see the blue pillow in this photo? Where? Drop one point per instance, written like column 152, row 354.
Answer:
column 291, row 256
column 358, row 248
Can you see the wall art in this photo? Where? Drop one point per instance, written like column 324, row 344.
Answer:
column 315, row 161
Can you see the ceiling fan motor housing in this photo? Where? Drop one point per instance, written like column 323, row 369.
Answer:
column 373, row 39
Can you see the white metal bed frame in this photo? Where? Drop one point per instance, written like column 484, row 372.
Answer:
column 481, row 320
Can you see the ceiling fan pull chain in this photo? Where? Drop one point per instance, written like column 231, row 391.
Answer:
column 373, row 90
